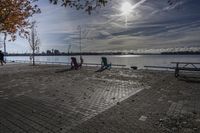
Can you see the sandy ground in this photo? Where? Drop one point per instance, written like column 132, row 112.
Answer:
column 49, row 98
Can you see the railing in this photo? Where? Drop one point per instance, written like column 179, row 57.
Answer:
column 38, row 62
column 167, row 68
column 161, row 67
column 61, row 63
column 186, row 66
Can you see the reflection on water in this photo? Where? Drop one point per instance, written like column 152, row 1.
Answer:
column 129, row 60
column 124, row 56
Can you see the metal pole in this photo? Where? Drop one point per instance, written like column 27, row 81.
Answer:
column 69, row 47
column 80, row 41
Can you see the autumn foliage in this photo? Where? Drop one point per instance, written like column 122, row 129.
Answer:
column 14, row 16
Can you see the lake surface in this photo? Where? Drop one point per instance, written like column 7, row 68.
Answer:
column 128, row 60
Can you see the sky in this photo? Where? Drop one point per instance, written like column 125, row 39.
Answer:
column 150, row 26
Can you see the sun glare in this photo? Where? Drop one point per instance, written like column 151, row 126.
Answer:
column 126, row 8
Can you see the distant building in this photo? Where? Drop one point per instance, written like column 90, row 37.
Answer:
column 56, row 52
column 43, row 53
column 49, row 52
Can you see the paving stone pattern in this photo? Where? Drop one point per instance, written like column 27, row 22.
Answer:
column 49, row 99
column 23, row 112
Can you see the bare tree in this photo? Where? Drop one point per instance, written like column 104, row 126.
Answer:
column 4, row 42
column 34, row 41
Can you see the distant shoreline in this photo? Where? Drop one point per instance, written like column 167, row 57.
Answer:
column 97, row 54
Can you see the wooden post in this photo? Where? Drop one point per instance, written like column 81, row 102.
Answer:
column 177, row 70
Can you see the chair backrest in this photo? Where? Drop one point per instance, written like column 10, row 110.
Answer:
column 104, row 61
column 81, row 60
column 74, row 61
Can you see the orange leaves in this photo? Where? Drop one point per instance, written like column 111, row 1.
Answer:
column 14, row 16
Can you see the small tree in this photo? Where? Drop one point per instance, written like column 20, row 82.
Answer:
column 34, row 41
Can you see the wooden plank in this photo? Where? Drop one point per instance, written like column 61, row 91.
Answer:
column 164, row 67
column 185, row 62
column 189, row 69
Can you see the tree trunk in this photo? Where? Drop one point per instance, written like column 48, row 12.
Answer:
column 33, row 57
column 4, row 43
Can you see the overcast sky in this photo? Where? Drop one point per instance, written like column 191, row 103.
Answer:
column 151, row 25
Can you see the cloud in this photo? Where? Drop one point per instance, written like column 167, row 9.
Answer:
column 151, row 25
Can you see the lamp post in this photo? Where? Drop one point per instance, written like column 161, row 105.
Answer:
column 69, row 47
column 79, row 28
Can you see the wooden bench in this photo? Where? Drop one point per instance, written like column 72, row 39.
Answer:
column 186, row 66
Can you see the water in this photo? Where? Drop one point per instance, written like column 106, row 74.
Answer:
column 128, row 60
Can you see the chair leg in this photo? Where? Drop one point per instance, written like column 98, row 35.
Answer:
column 176, row 73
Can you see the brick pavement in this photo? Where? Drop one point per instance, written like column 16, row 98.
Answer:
column 169, row 106
column 116, row 101
column 23, row 111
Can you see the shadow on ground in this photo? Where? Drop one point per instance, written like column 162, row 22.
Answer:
column 25, row 114
column 63, row 70
column 190, row 79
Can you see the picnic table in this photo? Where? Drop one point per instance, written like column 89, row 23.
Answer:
column 186, row 66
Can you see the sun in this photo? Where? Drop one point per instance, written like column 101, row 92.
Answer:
column 126, row 8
